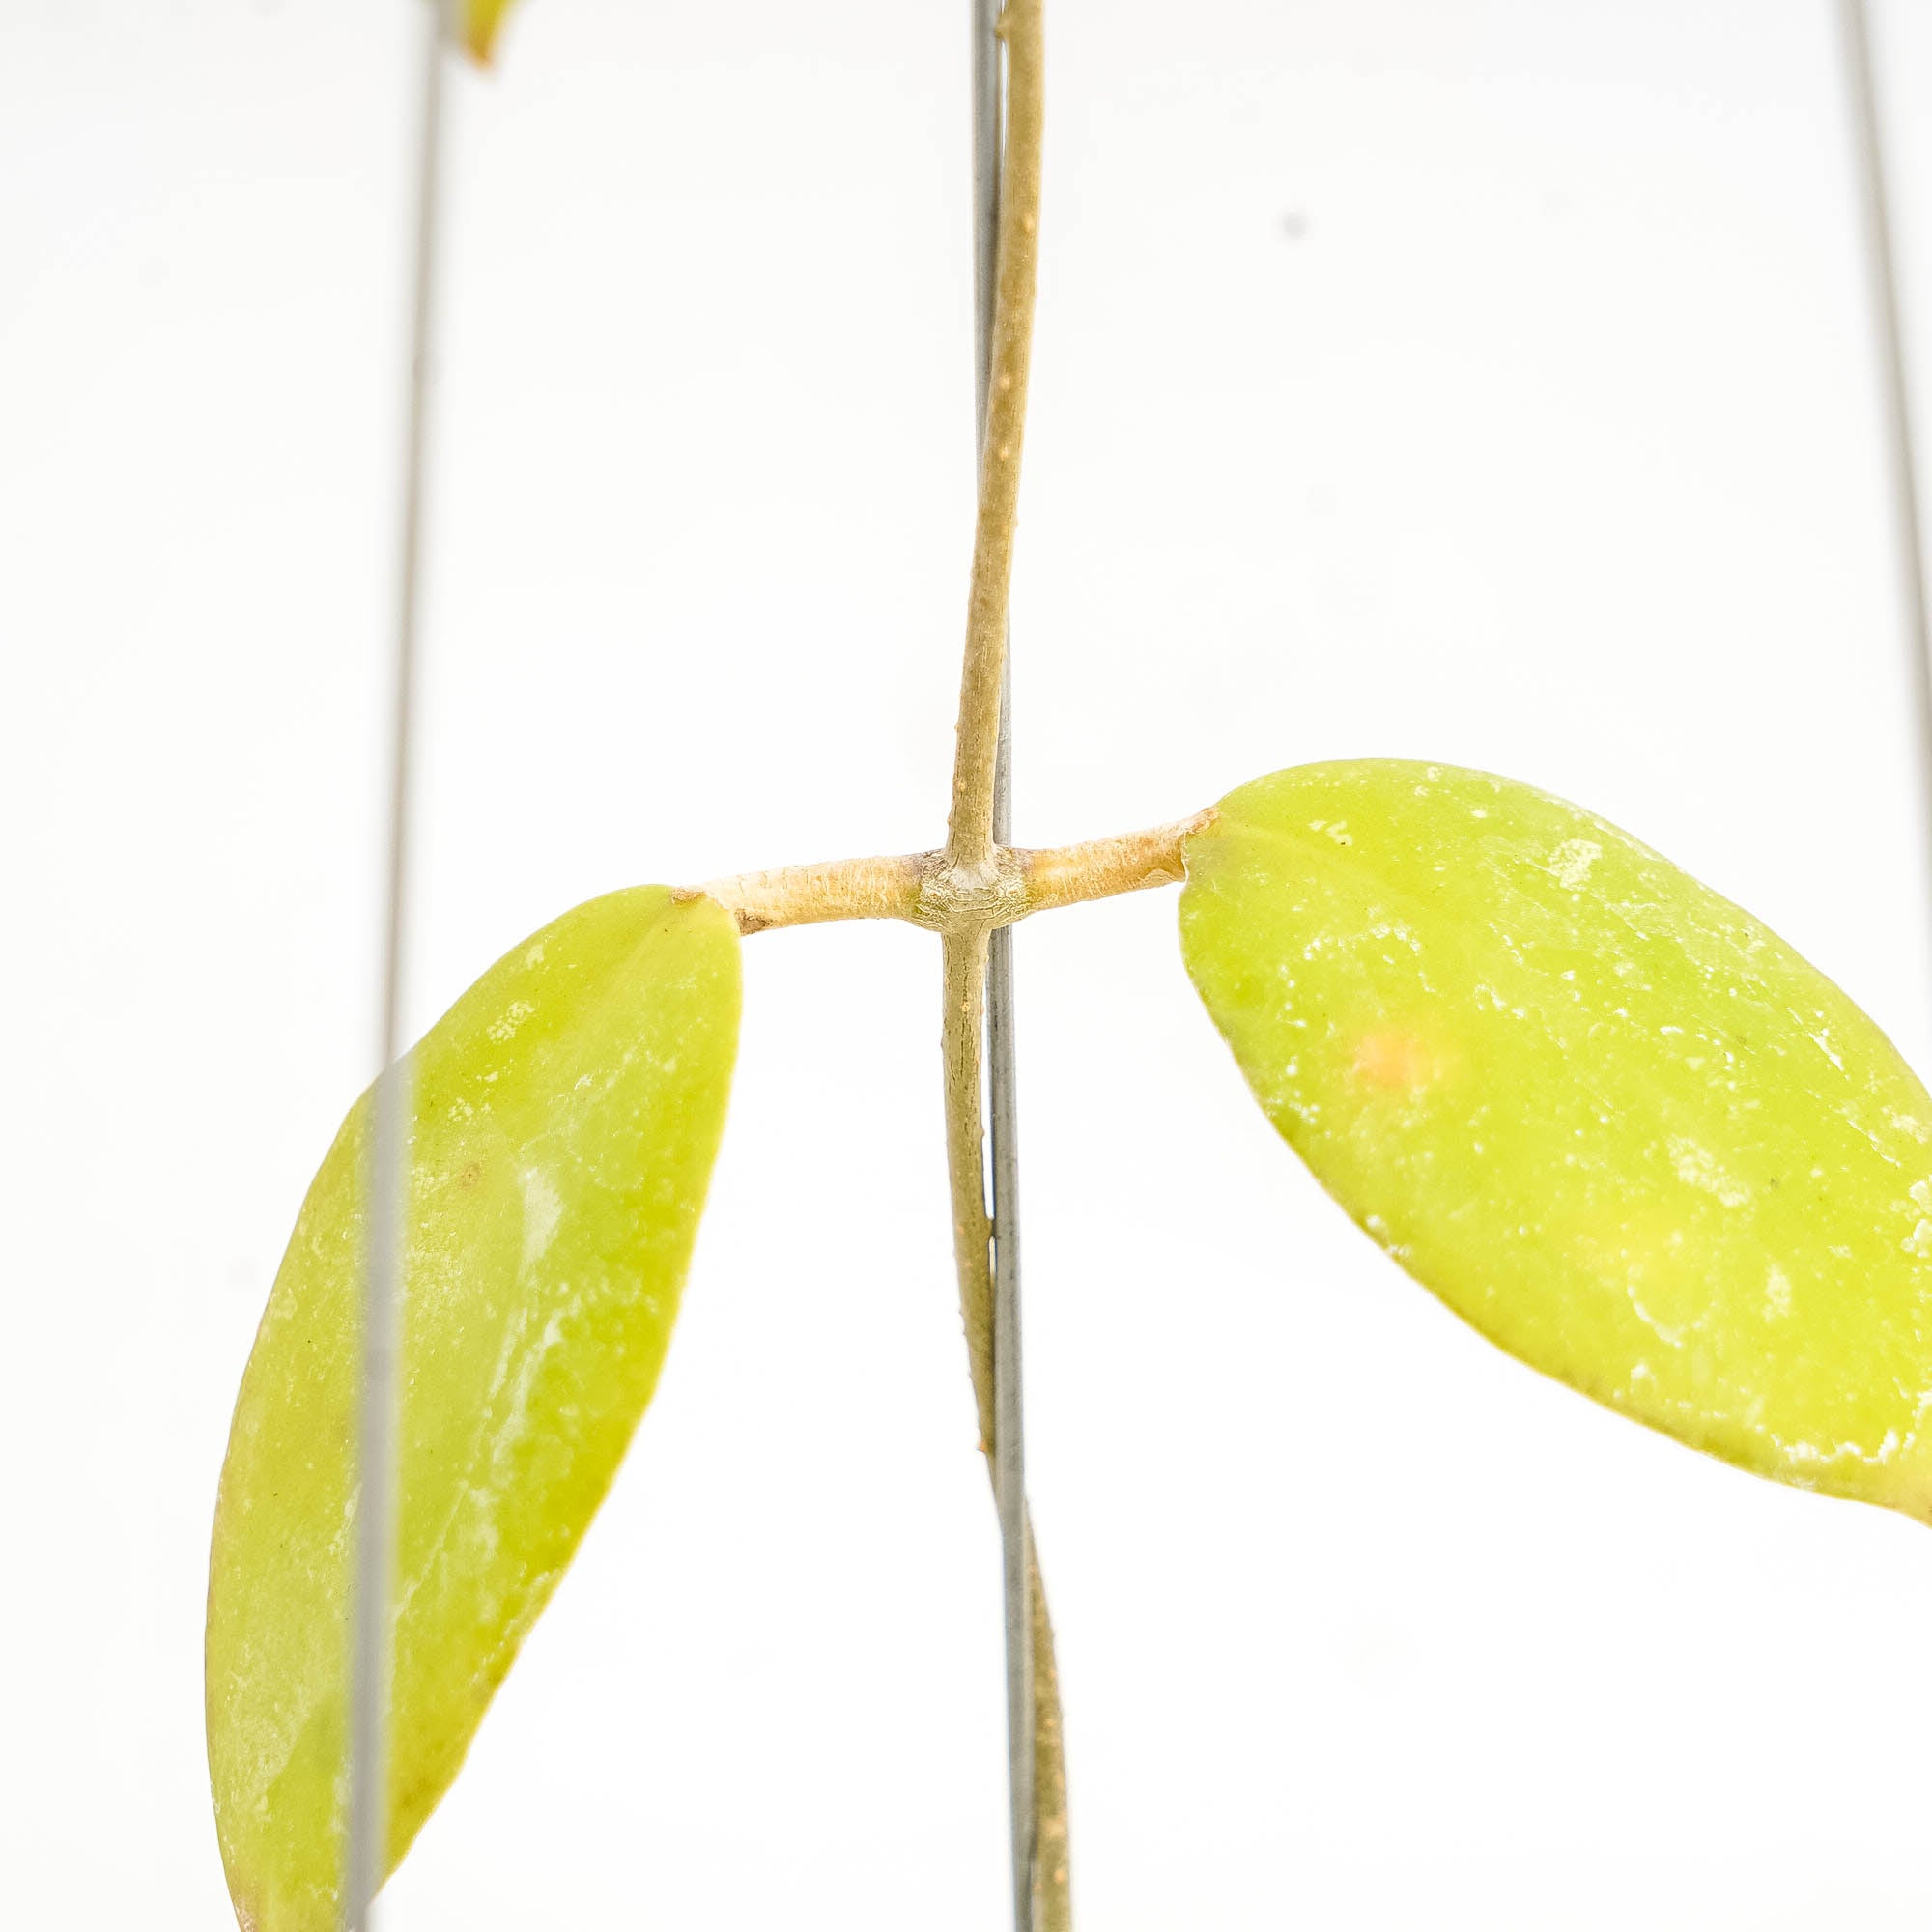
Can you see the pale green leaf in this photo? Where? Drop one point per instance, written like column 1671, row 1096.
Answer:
column 567, row 1111
column 1612, row 1120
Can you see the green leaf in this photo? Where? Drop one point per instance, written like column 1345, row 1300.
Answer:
column 567, row 1111
column 1612, row 1120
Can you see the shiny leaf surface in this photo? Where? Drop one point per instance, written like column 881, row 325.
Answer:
column 567, row 1111
column 1612, row 1120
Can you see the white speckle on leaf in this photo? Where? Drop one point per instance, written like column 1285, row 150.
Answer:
column 1572, row 861
column 1777, row 1294
column 1697, row 1167
column 1822, row 1040
column 513, row 1422
column 1920, row 1240
column 1672, row 1338
column 1816, row 1456
column 543, row 1209
column 513, row 1016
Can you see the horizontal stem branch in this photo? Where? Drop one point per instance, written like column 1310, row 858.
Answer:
column 924, row 889
column 807, row 895
column 1102, row 869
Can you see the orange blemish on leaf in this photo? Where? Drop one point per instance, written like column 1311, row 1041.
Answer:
column 1396, row 1061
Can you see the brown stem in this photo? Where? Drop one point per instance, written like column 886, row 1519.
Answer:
column 833, row 889
column 973, row 855
column 1052, row 1888
column 968, row 836
column 961, row 1031
column 921, row 888
column 975, row 885
column 963, row 975
column 1064, row 875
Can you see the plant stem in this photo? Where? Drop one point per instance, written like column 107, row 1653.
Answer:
column 980, row 887
column 1052, row 1890
column 919, row 886
column 810, row 894
column 963, row 974
column 969, row 837
column 976, row 885
column 964, row 977
column 1100, row 868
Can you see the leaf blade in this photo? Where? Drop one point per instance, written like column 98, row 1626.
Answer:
column 1609, row 1118
column 566, row 1114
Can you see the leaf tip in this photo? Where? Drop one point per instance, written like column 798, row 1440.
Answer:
column 479, row 21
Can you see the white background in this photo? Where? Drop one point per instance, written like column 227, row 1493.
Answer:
column 1486, row 382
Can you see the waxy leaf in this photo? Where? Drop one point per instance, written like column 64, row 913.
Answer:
column 567, row 1111
column 1612, row 1120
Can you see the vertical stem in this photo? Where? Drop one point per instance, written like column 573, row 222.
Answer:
column 1006, row 260
column 366, row 1850
column 963, row 973
column 1006, row 264
column 969, row 839
column 988, row 93
column 1018, row 1564
column 1052, row 1888
column 1009, row 1440
column 1047, row 1906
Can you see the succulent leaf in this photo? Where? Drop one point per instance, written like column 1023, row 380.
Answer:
column 1612, row 1120
column 566, row 1114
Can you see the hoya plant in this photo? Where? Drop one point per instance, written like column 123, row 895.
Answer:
column 1608, row 1117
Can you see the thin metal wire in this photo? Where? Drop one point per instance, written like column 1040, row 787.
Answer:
column 377, row 1401
column 1003, row 1109
column 1897, row 387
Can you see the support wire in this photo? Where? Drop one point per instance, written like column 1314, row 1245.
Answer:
column 1003, row 1115
column 366, row 1852
column 1888, row 315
